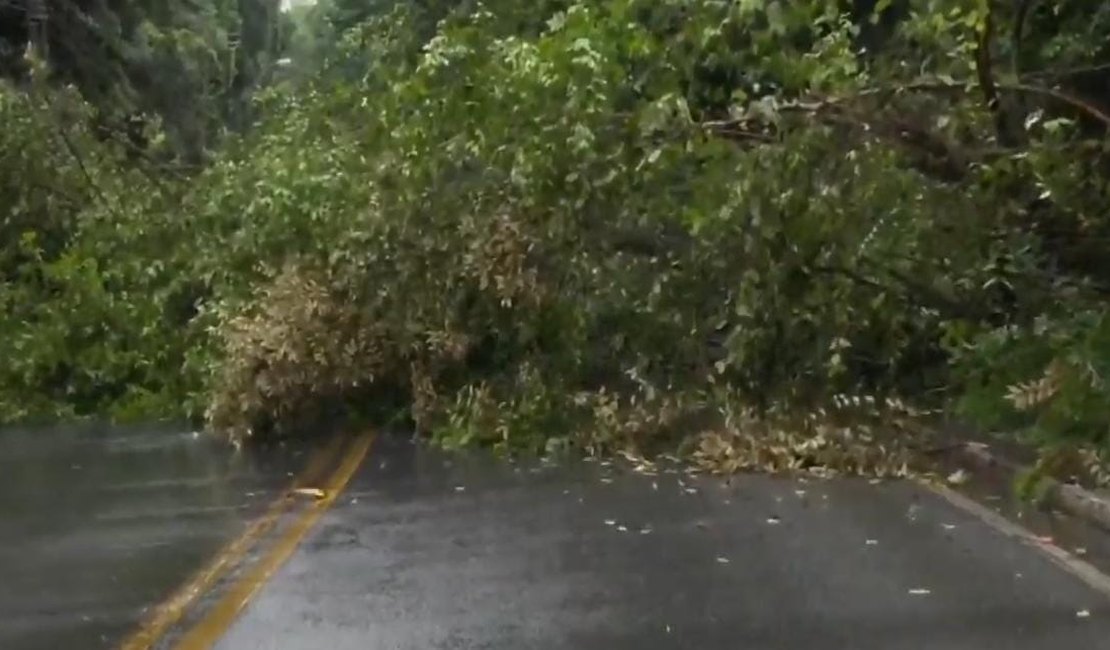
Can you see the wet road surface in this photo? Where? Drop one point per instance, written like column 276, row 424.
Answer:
column 98, row 524
column 426, row 551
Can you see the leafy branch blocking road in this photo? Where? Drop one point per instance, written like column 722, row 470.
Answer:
column 607, row 225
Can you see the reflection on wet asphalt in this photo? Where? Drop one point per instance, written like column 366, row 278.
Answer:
column 432, row 550
column 427, row 550
column 99, row 523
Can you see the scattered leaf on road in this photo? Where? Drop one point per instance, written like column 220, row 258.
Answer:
column 958, row 477
column 315, row 493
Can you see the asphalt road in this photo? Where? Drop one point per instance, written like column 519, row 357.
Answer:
column 425, row 551
column 98, row 524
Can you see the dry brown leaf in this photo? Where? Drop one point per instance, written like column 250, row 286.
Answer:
column 958, row 477
column 315, row 493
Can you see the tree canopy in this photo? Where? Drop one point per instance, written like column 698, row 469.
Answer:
column 189, row 65
column 598, row 225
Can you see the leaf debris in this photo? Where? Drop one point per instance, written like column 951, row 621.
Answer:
column 958, row 477
column 315, row 493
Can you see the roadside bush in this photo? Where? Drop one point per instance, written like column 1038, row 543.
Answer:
column 298, row 347
column 86, row 315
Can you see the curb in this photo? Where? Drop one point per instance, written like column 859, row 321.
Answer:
column 1072, row 499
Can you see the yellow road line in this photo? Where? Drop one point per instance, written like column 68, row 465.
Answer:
column 216, row 622
column 173, row 608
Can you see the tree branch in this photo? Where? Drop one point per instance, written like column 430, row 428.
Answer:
column 71, row 148
column 1018, row 37
column 920, row 292
column 984, row 71
column 1067, row 73
column 930, row 85
column 1065, row 98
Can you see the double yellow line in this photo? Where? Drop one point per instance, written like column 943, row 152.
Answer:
column 215, row 622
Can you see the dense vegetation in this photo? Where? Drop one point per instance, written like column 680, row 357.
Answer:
column 600, row 225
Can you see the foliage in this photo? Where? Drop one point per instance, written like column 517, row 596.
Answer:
column 299, row 345
column 189, row 68
column 86, row 320
column 601, row 225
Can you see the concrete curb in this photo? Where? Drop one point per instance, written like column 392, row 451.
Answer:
column 1072, row 499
